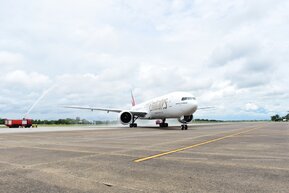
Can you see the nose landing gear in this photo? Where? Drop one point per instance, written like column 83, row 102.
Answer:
column 184, row 127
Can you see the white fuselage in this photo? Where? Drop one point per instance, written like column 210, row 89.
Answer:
column 179, row 105
column 173, row 105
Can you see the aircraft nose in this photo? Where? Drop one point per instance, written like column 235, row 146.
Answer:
column 194, row 105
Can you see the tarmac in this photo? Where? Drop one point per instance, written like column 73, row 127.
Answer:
column 234, row 157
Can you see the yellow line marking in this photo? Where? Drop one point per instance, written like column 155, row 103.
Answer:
column 192, row 146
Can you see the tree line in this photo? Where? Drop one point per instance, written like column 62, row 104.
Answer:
column 207, row 120
column 67, row 121
column 279, row 118
column 77, row 120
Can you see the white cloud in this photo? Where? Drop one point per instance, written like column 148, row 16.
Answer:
column 251, row 107
column 226, row 53
column 10, row 60
column 20, row 78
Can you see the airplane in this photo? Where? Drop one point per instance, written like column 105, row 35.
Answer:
column 176, row 105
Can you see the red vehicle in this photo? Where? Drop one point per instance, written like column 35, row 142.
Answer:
column 15, row 123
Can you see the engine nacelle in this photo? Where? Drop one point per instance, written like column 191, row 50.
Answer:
column 125, row 117
column 185, row 119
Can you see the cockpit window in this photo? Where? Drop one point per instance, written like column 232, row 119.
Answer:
column 188, row 98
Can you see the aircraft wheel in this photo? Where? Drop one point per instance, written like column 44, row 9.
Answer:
column 133, row 125
column 184, row 127
column 164, row 124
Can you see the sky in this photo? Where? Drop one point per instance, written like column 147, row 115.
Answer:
column 233, row 55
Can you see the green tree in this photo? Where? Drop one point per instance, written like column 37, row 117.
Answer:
column 287, row 117
column 275, row 118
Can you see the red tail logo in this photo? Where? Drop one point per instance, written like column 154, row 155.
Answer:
column 132, row 100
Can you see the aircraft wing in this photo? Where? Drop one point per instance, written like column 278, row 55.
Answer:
column 94, row 109
column 205, row 108
column 137, row 113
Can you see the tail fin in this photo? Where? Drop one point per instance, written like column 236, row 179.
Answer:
column 132, row 100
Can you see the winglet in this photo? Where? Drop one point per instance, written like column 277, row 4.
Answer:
column 132, row 100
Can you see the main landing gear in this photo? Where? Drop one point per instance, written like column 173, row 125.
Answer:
column 133, row 124
column 184, row 127
column 163, row 123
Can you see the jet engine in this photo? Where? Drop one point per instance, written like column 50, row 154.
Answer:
column 125, row 117
column 185, row 119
